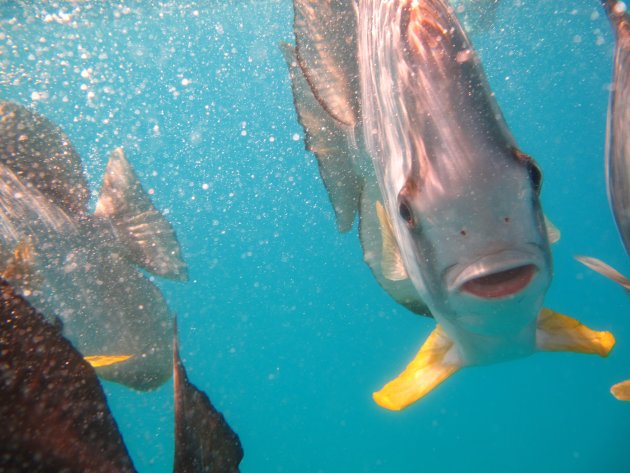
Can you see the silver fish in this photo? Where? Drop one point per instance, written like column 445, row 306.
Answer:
column 396, row 107
column 83, row 267
column 618, row 128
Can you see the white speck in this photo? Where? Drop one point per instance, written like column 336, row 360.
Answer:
column 36, row 96
column 205, row 186
column 620, row 8
column 272, row 139
column 84, row 87
column 90, row 95
column 594, row 15
column 185, row 82
column 296, row 137
column 151, row 191
column 85, row 73
column 244, row 133
column 156, row 129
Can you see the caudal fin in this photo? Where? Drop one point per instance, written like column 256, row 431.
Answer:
column 148, row 237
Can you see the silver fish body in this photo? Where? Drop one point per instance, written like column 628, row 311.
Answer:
column 462, row 200
column 84, row 268
column 618, row 128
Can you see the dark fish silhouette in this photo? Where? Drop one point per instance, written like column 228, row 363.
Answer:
column 53, row 412
column 204, row 442
column 54, row 415
column 82, row 267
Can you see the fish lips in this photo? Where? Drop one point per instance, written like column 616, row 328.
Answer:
column 496, row 276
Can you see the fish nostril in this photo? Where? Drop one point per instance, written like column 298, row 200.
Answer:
column 506, row 219
column 462, row 232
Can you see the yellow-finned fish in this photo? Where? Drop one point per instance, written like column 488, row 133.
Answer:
column 397, row 109
column 82, row 267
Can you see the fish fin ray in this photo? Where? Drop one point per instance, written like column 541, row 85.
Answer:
column 558, row 332
column 325, row 35
column 331, row 144
column 123, row 201
column 604, row 269
column 437, row 360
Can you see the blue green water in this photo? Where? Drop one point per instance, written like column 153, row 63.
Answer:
column 282, row 324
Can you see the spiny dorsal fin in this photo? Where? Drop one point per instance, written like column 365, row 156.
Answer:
column 553, row 232
column 330, row 142
column 325, row 35
column 140, row 227
column 436, row 361
column 602, row 268
column 392, row 264
column 558, row 332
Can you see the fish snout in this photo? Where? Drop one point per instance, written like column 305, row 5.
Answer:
column 496, row 276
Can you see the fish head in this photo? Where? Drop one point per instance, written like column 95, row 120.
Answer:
column 472, row 237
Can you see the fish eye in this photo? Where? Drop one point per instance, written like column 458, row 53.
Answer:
column 405, row 213
column 535, row 174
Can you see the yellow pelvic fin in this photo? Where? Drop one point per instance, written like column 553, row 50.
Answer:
column 621, row 391
column 557, row 332
column 392, row 264
column 437, row 360
column 99, row 361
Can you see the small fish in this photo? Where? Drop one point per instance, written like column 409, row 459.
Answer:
column 204, row 442
column 54, row 413
column 82, row 267
column 407, row 133
column 618, row 127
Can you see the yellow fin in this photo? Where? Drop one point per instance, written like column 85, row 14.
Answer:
column 602, row 268
column 557, row 332
column 621, row 391
column 392, row 265
column 437, row 360
column 99, row 361
column 553, row 233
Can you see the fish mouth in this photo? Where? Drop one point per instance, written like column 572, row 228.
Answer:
column 500, row 275
column 501, row 284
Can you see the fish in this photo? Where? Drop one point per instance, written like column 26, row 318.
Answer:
column 408, row 135
column 53, row 410
column 204, row 441
column 55, row 416
column 86, row 268
column 618, row 121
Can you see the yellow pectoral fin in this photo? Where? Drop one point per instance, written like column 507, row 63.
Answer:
column 557, row 332
column 99, row 361
column 436, row 361
column 621, row 390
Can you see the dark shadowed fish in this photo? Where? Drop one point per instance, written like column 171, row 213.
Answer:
column 83, row 267
column 204, row 442
column 397, row 109
column 53, row 412
column 54, row 415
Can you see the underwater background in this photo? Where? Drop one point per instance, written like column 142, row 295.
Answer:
column 281, row 323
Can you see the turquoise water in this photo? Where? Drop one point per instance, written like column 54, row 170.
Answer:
column 282, row 323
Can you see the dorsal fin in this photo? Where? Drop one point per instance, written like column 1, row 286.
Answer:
column 145, row 233
column 331, row 144
column 325, row 35
column 41, row 155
